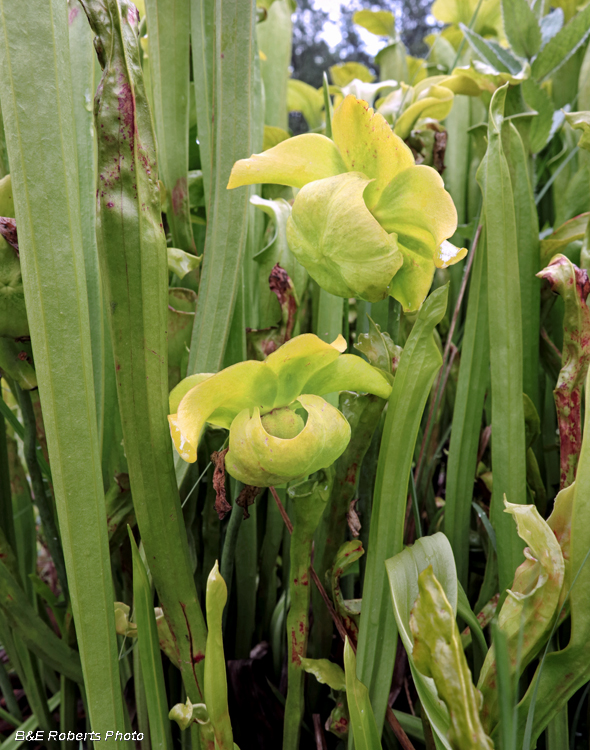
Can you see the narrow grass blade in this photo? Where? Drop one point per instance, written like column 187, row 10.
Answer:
column 467, row 415
column 168, row 38
column 505, row 321
column 419, row 363
column 41, row 146
column 149, row 653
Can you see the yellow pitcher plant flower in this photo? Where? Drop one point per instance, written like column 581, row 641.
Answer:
column 280, row 429
column 366, row 222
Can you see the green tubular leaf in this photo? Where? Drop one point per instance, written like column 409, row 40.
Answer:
column 84, row 80
column 416, row 371
column 527, row 237
column 362, row 414
column 215, row 679
column 149, row 653
column 562, row 46
column 333, row 235
column 236, row 96
column 467, row 414
column 29, row 725
column 571, row 283
column 296, row 162
column 362, row 720
column 368, row 145
column 168, row 38
column 307, row 502
column 257, row 458
column 562, row 673
column 202, row 42
column 132, row 249
column 506, row 354
column 42, row 148
column 403, row 571
column 274, row 40
column 521, row 27
column 531, row 605
column 437, row 653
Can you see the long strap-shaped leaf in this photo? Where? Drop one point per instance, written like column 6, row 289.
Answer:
column 38, row 117
column 133, row 258
column 168, row 34
column 505, row 321
column 417, row 369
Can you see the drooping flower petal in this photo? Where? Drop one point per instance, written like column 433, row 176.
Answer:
column 295, row 362
column 260, row 459
column 219, row 399
column 296, row 162
column 417, row 207
column 350, row 373
column 368, row 145
column 332, row 233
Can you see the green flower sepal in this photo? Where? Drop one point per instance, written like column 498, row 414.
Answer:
column 366, row 222
column 280, row 429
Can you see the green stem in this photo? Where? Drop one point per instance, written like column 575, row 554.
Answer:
column 308, row 502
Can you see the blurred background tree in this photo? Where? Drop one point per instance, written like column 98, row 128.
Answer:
column 312, row 53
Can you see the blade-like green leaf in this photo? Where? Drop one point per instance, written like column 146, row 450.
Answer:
column 41, row 141
column 506, row 356
column 417, row 369
column 149, row 653
column 527, row 237
column 134, row 267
